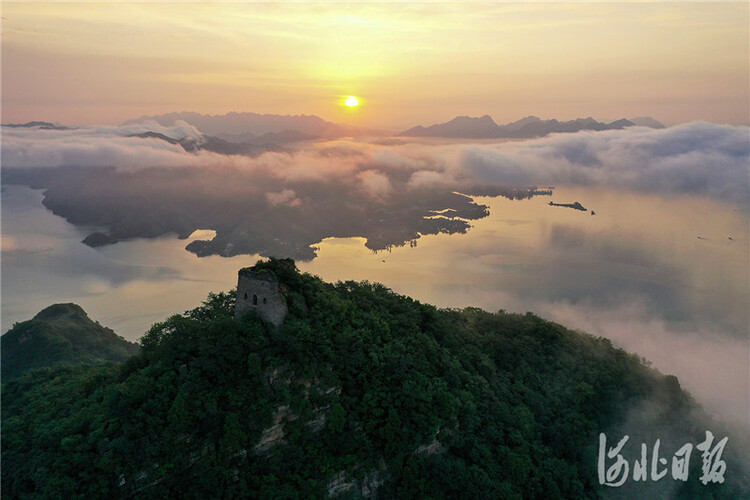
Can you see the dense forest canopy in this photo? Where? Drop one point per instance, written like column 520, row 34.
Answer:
column 360, row 393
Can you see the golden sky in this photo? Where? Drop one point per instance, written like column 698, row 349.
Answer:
column 410, row 63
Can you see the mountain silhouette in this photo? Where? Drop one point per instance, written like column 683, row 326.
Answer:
column 647, row 121
column 36, row 124
column 484, row 127
column 256, row 124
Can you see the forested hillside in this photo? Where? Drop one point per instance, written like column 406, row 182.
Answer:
column 60, row 334
column 360, row 393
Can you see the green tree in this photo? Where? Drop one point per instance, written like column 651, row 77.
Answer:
column 337, row 419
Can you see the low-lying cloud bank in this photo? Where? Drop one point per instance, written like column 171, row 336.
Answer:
column 711, row 365
column 699, row 159
column 96, row 146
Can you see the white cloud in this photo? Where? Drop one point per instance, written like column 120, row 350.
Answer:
column 375, row 184
column 698, row 159
column 711, row 365
column 285, row 197
column 427, row 178
column 99, row 146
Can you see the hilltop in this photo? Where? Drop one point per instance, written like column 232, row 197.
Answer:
column 360, row 393
column 60, row 334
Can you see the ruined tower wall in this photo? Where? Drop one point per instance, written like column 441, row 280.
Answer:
column 259, row 290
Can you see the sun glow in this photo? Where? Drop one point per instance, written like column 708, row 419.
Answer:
column 351, row 101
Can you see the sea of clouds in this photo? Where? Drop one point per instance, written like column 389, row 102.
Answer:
column 696, row 159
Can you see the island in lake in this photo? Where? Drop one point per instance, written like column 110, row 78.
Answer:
column 574, row 206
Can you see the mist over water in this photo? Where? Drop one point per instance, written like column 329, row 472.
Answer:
column 636, row 272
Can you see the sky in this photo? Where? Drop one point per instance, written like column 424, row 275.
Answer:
column 409, row 63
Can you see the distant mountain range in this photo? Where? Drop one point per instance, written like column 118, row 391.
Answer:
column 40, row 125
column 60, row 334
column 647, row 121
column 283, row 137
column 484, row 127
column 260, row 129
column 254, row 133
column 247, row 127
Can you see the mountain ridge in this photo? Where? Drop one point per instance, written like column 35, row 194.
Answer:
column 36, row 124
column 257, row 124
column 257, row 128
column 484, row 127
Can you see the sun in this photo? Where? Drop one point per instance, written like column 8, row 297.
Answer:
column 351, row 101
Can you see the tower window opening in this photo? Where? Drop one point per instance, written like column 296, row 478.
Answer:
column 245, row 295
column 264, row 300
column 255, row 300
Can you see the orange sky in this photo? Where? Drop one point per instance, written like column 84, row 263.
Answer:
column 409, row 63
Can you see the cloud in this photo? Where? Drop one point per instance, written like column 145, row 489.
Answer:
column 376, row 184
column 100, row 146
column 710, row 365
column 427, row 178
column 285, row 197
column 178, row 130
column 153, row 187
column 700, row 159
column 696, row 159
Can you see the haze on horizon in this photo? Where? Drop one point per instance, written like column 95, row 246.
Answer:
column 420, row 63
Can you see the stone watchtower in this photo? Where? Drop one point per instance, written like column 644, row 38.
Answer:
column 259, row 290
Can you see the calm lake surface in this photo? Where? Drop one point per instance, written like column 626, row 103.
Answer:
column 666, row 278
